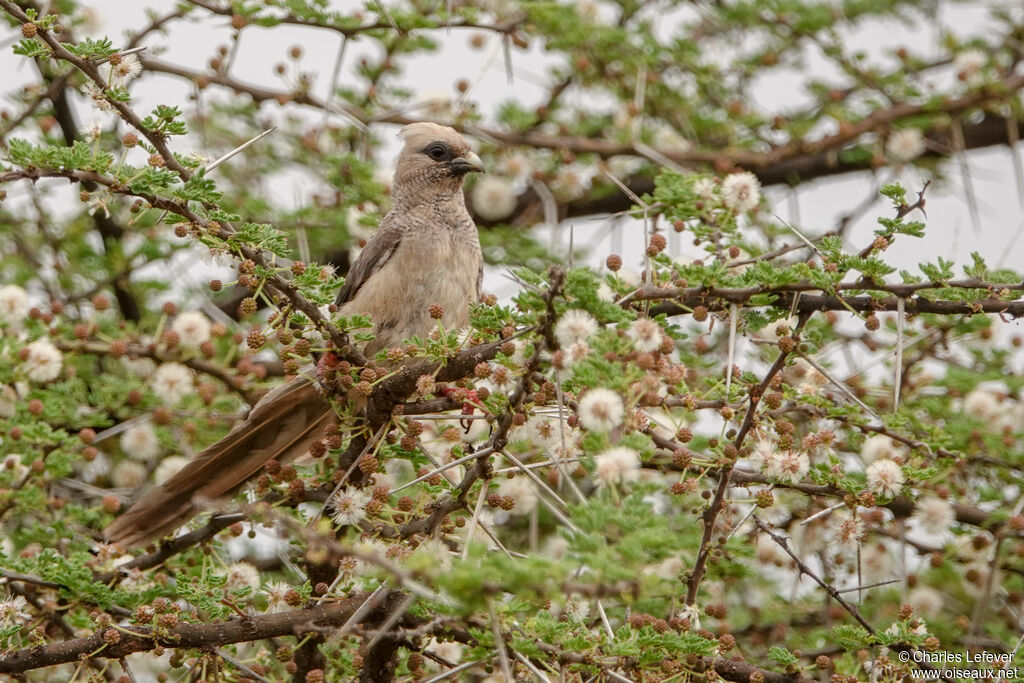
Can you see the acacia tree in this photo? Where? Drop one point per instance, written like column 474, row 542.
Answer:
column 781, row 461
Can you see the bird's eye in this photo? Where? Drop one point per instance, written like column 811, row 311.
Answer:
column 437, row 152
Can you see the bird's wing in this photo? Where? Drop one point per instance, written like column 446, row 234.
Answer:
column 372, row 258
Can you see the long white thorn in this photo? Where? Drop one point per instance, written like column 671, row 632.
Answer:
column 238, row 149
column 901, row 320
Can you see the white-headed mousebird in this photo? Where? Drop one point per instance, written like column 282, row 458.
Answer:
column 425, row 252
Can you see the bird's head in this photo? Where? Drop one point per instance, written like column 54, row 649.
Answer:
column 434, row 161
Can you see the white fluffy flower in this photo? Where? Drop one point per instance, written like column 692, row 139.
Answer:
column 877, row 447
column 450, row 651
column 629, row 277
column 242, row 575
column 619, row 464
column 575, row 326
column 606, row 293
column 125, row 70
column 128, row 474
column 349, row 506
column 934, row 515
column 787, row 466
column 522, row 491
column 277, row 595
column 741, row 191
column 981, row 404
column 576, row 609
column 667, row 139
column 193, row 328
column 905, row 144
column 44, row 361
column 12, row 463
column 704, row 187
column 848, row 532
column 569, row 183
column 168, row 467
column 763, row 451
column 601, row 410
column 494, row 198
column 13, row 304
column 13, row 611
column 646, row 334
column 885, row 478
column 93, row 92
column 172, row 382
column 92, row 130
column 926, row 601
column 140, row 442
column 969, row 62
column 515, row 166
column 8, row 399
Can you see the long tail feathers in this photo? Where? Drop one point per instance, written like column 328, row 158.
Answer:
column 281, row 426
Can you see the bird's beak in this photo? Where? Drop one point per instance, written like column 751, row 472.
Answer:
column 467, row 163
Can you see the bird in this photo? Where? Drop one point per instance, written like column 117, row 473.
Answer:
column 425, row 254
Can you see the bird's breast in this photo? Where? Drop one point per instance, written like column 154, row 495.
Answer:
column 429, row 267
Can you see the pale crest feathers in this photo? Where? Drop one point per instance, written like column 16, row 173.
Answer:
column 418, row 135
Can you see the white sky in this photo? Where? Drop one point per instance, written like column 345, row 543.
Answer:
column 814, row 207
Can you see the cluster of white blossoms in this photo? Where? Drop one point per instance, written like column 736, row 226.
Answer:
column 13, row 305
column 494, row 197
column 601, row 410
column 905, row 144
column 617, row 465
column 172, row 382
column 140, row 442
column 115, row 75
column 349, row 506
column 789, row 466
column 885, row 478
column 192, row 328
column 43, row 361
column 741, row 191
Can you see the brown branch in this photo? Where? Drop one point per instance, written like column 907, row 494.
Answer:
column 710, row 515
column 816, row 303
column 92, row 72
column 176, row 545
column 145, row 638
column 349, row 31
column 802, row 568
